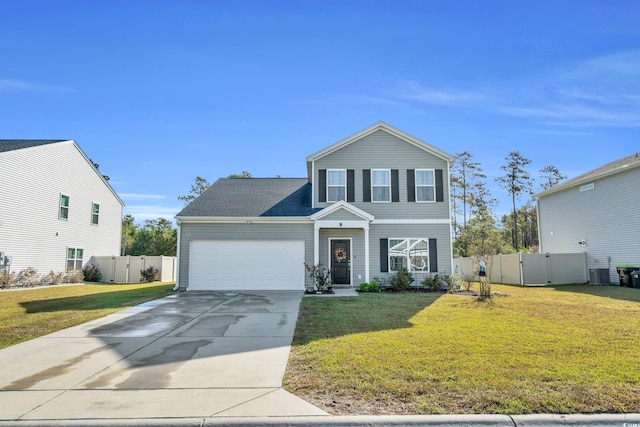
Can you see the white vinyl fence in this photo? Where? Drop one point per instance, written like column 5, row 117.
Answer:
column 126, row 269
column 528, row 269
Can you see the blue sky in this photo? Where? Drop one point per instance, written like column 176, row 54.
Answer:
column 158, row 92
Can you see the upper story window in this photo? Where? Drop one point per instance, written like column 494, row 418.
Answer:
column 587, row 187
column 74, row 259
column 95, row 213
column 63, row 211
column 380, row 185
column 425, row 185
column 336, row 185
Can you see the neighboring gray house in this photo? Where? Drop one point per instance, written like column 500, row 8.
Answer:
column 371, row 203
column 57, row 210
column 596, row 213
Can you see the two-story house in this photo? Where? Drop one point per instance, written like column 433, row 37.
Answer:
column 372, row 203
column 56, row 209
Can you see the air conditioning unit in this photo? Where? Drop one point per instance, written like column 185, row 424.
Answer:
column 599, row 276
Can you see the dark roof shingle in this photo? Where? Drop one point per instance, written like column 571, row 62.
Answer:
column 253, row 197
column 17, row 144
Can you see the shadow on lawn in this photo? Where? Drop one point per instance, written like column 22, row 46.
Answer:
column 321, row 318
column 606, row 291
column 115, row 299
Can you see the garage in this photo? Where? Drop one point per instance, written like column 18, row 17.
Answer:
column 246, row 265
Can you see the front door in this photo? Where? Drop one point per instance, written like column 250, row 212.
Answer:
column 341, row 262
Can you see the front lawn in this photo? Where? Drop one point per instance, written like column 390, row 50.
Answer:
column 564, row 349
column 30, row 313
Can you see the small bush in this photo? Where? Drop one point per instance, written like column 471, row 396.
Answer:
column 92, row 273
column 151, row 274
column 75, row 276
column 429, row 284
column 29, row 277
column 401, row 280
column 7, row 279
column 52, row 279
column 372, row 286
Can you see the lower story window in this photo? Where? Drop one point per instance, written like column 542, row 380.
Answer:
column 412, row 254
column 74, row 259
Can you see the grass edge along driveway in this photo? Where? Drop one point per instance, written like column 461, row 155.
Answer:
column 563, row 349
column 30, row 313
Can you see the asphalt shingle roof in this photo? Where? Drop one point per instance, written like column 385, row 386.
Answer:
column 608, row 169
column 253, row 197
column 17, row 144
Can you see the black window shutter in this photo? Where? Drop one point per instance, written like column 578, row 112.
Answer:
column 366, row 185
column 433, row 256
column 395, row 186
column 351, row 193
column 322, row 185
column 411, row 185
column 384, row 255
column 439, row 186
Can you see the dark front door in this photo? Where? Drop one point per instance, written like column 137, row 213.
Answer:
column 341, row 262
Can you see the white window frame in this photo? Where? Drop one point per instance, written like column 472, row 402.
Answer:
column 330, row 185
column 425, row 268
column 95, row 215
column 77, row 262
column 388, row 186
column 418, row 186
column 61, row 207
column 587, row 187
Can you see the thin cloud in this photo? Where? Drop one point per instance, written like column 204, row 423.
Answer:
column 137, row 196
column 414, row 91
column 144, row 212
column 8, row 85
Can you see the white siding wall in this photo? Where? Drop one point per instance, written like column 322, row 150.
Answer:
column 381, row 150
column 31, row 181
column 607, row 217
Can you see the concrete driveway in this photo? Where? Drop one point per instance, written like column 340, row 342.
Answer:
column 190, row 355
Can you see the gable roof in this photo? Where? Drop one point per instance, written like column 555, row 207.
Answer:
column 368, row 131
column 617, row 166
column 345, row 206
column 252, row 198
column 7, row 145
column 18, row 144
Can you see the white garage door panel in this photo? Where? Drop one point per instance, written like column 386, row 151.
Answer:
column 246, row 265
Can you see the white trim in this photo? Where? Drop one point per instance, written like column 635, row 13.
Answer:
column 408, row 258
column 415, row 186
column 327, row 185
column 446, row 221
column 243, row 220
column 330, row 255
column 342, row 205
column 388, row 186
column 177, row 285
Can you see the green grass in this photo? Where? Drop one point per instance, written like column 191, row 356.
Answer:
column 30, row 313
column 565, row 349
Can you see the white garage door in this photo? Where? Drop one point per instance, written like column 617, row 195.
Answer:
column 246, row 265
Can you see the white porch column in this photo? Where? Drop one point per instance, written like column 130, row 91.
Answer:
column 316, row 242
column 366, row 252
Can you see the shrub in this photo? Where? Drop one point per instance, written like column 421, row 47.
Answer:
column 429, row 283
column 52, row 279
column 372, row 286
column 92, row 273
column 321, row 276
column 74, row 276
column 7, row 279
column 29, row 277
column 151, row 274
column 401, row 280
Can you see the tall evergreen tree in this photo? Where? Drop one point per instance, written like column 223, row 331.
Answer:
column 550, row 176
column 197, row 188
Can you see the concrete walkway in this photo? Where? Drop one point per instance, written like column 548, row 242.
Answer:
column 192, row 359
column 190, row 355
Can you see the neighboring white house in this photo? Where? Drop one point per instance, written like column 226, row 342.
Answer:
column 56, row 209
column 597, row 213
column 371, row 204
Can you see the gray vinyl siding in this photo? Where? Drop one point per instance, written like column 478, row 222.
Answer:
column 381, row 150
column 240, row 231
column 341, row 215
column 441, row 232
column 607, row 217
column 357, row 250
column 30, row 231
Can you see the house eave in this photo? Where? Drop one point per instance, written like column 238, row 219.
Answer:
column 241, row 220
